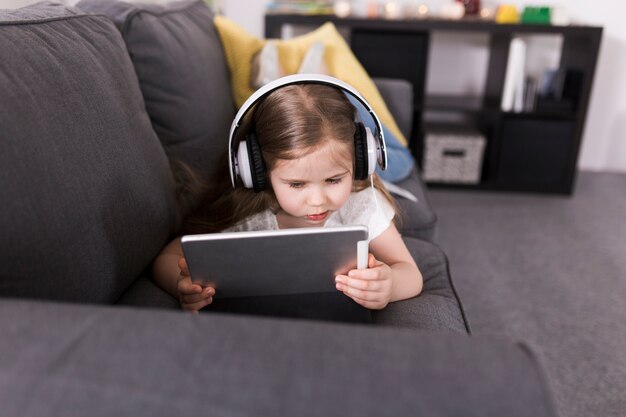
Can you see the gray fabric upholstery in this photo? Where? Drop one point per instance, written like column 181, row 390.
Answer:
column 418, row 219
column 44, row 10
column 84, row 183
column 182, row 71
column 398, row 96
column 103, row 361
column 438, row 307
column 143, row 292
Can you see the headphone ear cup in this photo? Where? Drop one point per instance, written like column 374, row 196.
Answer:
column 360, row 152
column 242, row 165
column 257, row 166
column 370, row 149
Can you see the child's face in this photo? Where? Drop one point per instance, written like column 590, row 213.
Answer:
column 311, row 188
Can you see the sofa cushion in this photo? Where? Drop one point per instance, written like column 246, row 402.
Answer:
column 87, row 196
column 179, row 60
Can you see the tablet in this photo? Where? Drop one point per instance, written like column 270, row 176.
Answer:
column 276, row 262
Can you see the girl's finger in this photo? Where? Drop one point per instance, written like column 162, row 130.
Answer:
column 197, row 306
column 192, row 298
column 185, row 286
column 370, row 274
column 182, row 264
column 361, row 284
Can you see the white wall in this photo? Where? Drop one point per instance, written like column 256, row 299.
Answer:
column 604, row 139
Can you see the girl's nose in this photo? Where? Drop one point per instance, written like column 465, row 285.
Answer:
column 316, row 197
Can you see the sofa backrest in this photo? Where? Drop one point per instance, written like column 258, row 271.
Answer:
column 87, row 195
column 182, row 71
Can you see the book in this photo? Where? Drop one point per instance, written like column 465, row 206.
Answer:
column 530, row 94
column 513, row 91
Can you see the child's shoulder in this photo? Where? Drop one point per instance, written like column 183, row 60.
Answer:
column 365, row 203
column 367, row 207
column 366, row 196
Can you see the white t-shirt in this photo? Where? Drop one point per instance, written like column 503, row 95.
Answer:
column 362, row 208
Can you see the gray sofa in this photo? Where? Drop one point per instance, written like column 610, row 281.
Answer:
column 97, row 102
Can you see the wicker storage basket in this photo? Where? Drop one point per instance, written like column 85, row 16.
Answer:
column 453, row 157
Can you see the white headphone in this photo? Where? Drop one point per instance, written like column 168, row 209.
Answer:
column 245, row 158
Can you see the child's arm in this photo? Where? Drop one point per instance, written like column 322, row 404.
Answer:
column 391, row 275
column 170, row 272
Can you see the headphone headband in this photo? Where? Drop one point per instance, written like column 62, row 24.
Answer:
column 300, row 79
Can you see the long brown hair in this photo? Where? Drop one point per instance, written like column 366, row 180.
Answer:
column 289, row 123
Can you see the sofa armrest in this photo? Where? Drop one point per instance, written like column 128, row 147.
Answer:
column 438, row 307
column 63, row 359
column 398, row 95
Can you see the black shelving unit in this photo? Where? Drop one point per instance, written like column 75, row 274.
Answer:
column 532, row 151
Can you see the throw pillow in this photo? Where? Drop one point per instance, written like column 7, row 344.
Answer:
column 183, row 75
column 240, row 48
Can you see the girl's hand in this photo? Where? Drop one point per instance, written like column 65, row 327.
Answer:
column 369, row 287
column 192, row 296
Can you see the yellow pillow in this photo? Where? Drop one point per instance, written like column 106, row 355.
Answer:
column 240, row 47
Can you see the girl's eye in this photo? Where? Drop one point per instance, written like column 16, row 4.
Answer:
column 333, row 180
column 295, row 184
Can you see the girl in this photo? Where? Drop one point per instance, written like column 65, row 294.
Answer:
column 306, row 136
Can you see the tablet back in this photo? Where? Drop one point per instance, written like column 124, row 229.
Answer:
column 277, row 262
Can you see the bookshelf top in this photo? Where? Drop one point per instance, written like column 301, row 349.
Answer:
column 466, row 24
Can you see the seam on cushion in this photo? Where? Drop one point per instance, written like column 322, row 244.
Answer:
column 458, row 299
column 459, row 304
column 543, row 375
column 136, row 11
column 468, row 328
column 49, row 19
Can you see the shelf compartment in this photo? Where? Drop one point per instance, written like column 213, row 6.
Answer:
column 536, row 154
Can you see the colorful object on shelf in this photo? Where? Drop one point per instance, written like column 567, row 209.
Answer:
column 453, row 11
column 342, row 8
column 559, row 16
column 372, row 9
column 536, row 15
column 300, row 7
column 487, row 13
column 391, row 10
column 415, row 10
column 472, row 7
column 507, row 13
